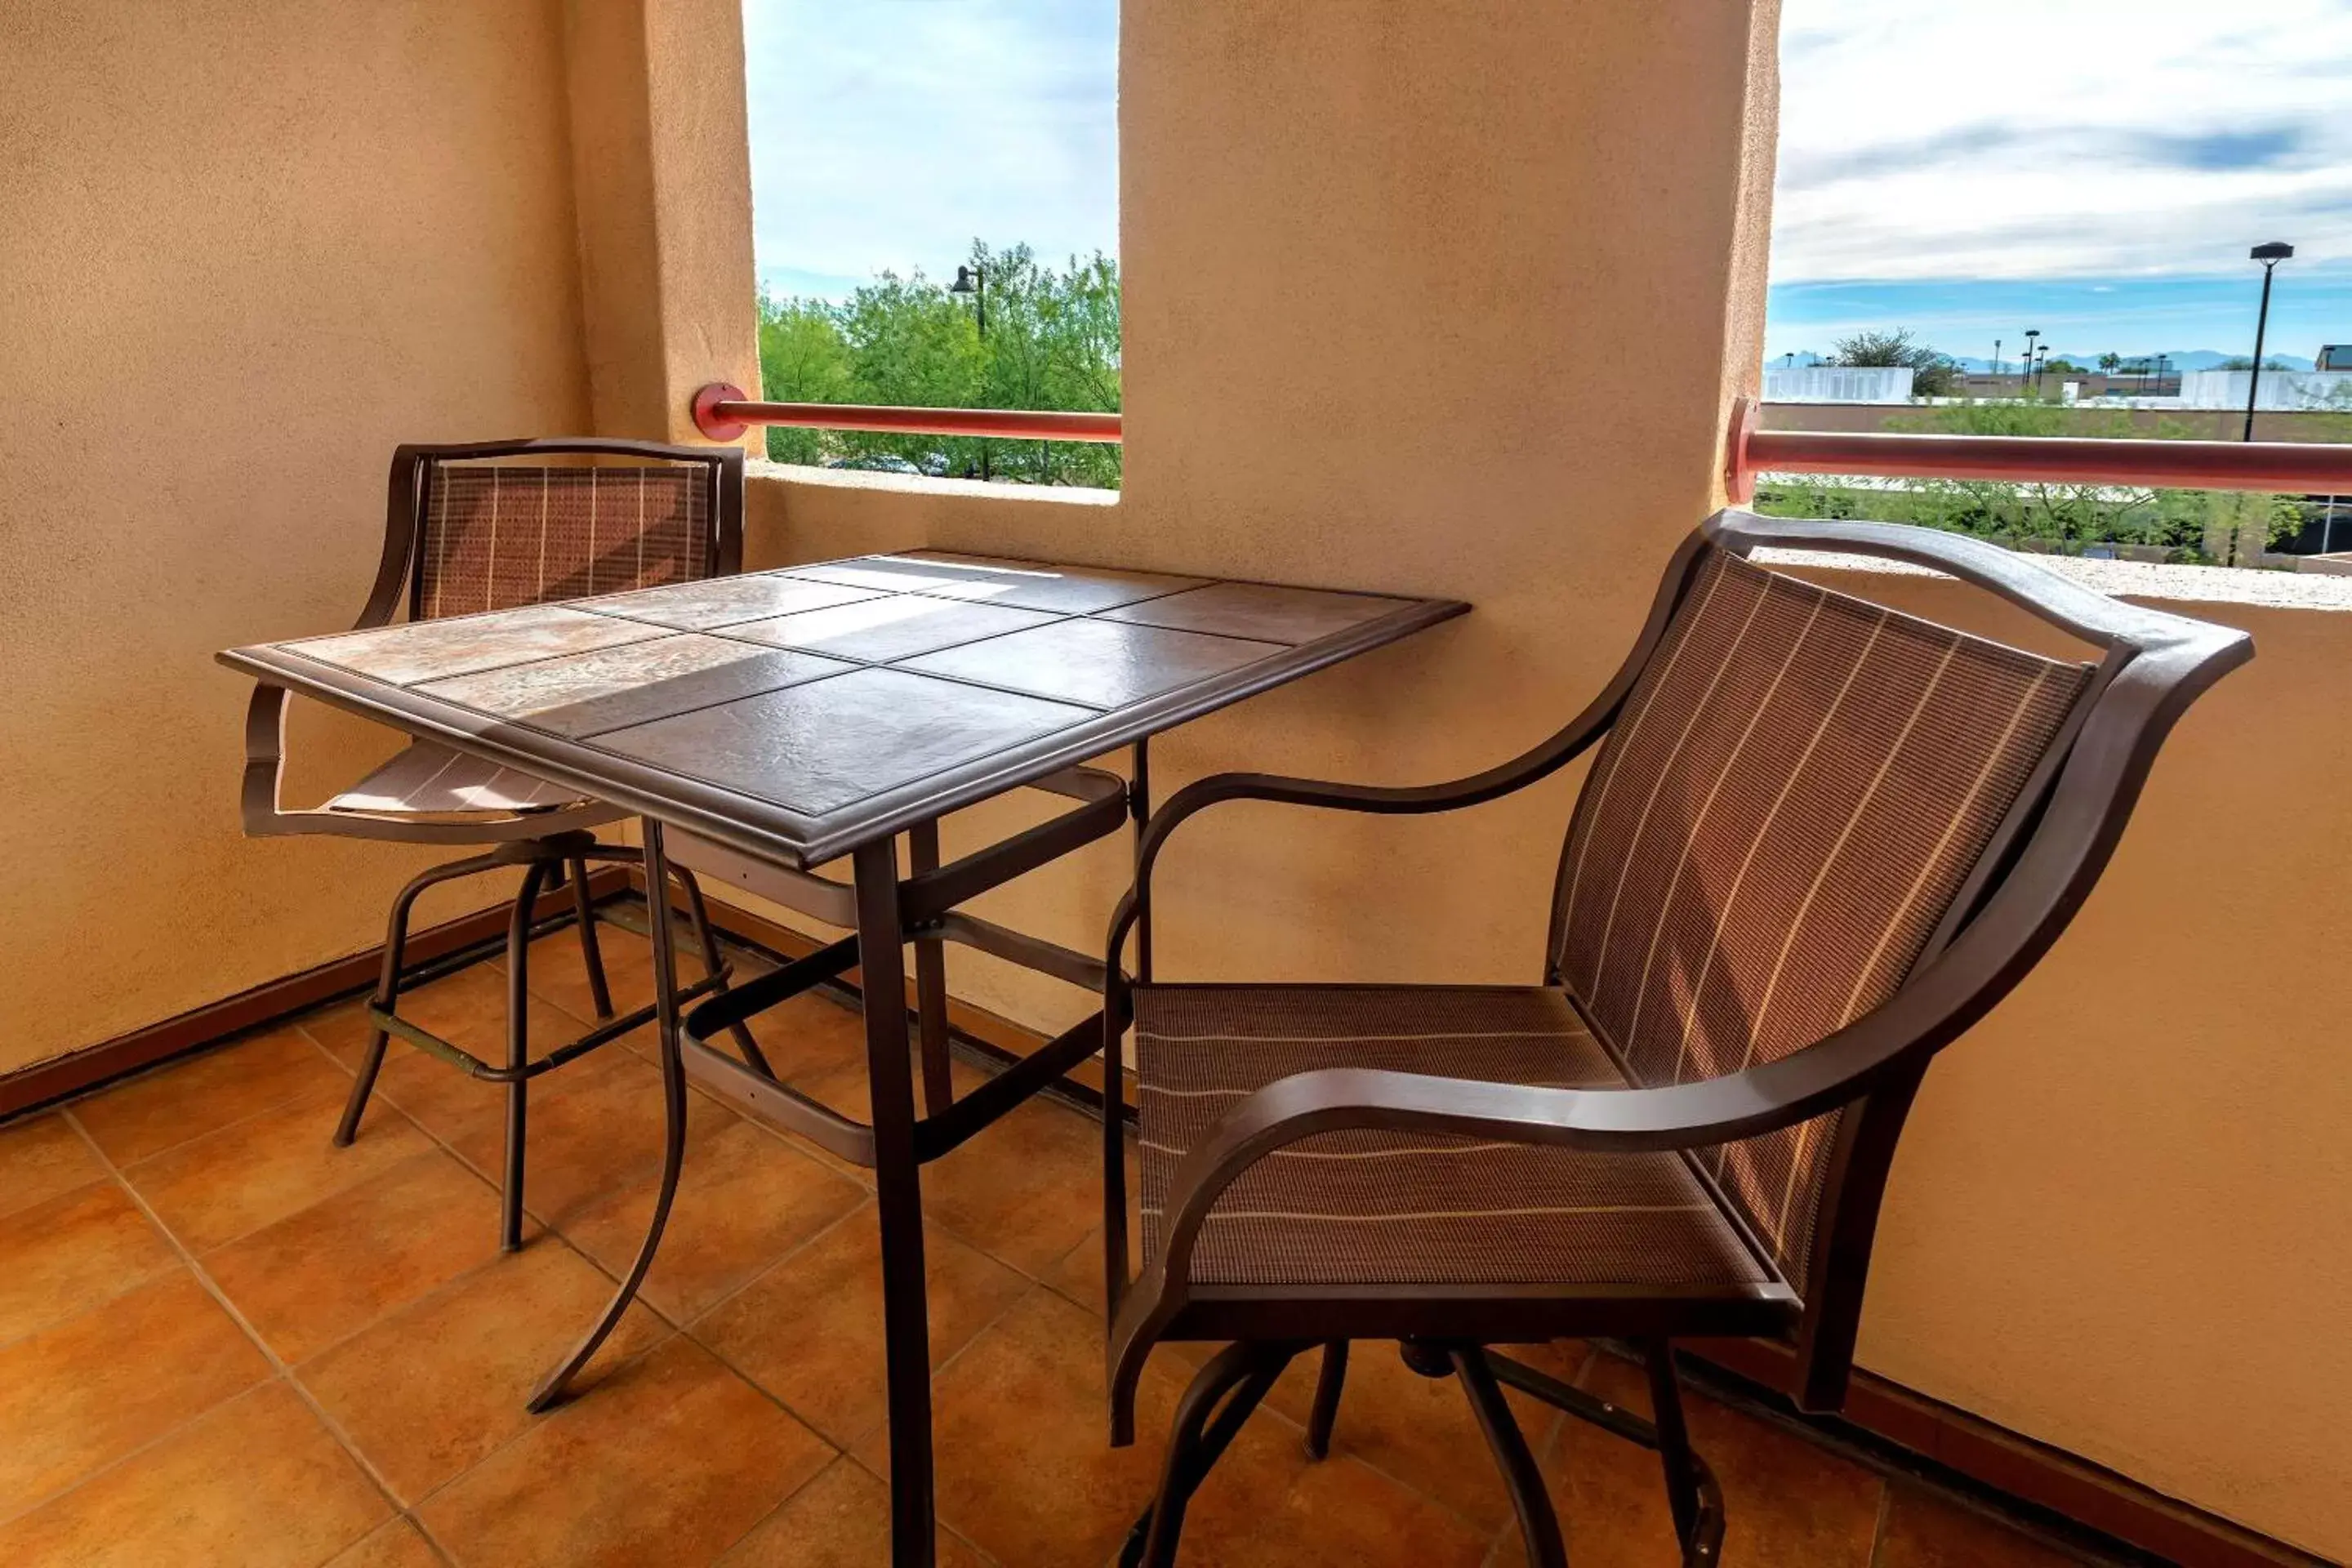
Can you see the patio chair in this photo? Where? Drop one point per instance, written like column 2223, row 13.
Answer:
column 1820, row 839
column 494, row 526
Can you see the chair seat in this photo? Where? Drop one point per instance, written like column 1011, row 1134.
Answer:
column 1383, row 1209
column 430, row 781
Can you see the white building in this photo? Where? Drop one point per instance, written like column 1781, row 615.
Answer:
column 2281, row 390
column 1840, row 383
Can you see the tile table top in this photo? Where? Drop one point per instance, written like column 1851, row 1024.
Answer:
column 797, row 713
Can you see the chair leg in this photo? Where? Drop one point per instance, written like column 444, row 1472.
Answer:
column 387, row 990
column 1326, row 1410
column 1538, row 1525
column 591, row 955
column 1673, row 1448
column 707, row 940
column 517, row 1051
column 1204, row 1426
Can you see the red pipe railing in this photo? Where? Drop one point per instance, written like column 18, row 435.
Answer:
column 2295, row 467
column 723, row 414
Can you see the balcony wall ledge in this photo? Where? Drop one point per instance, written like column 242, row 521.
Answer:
column 760, row 468
column 2129, row 579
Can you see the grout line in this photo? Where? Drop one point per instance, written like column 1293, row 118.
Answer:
column 283, row 1373
column 1878, row 1531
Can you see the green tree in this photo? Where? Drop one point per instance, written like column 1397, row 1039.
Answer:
column 1933, row 375
column 804, row 358
column 1052, row 342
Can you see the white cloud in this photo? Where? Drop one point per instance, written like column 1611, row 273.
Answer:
column 2042, row 138
column 889, row 133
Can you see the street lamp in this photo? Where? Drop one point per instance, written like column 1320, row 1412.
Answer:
column 973, row 280
column 1996, row 356
column 2025, row 366
column 2270, row 255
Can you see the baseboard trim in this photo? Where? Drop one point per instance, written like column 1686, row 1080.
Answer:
column 2009, row 1463
column 78, row 1072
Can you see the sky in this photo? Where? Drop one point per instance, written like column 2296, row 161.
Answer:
column 885, row 134
column 2093, row 168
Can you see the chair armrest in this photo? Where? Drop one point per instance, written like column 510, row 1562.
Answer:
column 265, row 763
column 1384, row 800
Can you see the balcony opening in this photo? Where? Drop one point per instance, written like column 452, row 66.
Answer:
column 936, row 218
column 2018, row 219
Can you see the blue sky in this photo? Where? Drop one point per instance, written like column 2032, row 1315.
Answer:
column 888, row 133
column 2094, row 168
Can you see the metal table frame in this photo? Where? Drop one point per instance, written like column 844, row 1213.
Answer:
column 886, row 910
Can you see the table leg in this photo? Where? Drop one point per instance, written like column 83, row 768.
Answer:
column 1139, row 808
column 672, row 1076
column 930, row 983
column 898, row 1195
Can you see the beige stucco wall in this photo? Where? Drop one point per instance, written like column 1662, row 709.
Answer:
column 250, row 245
column 1355, row 255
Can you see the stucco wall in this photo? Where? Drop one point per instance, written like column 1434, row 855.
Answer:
column 1353, row 255
column 251, row 246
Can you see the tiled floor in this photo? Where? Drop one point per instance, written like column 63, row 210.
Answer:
column 222, row 1340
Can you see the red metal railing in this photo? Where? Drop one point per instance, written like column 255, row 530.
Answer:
column 2290, row 467
column 723, row 414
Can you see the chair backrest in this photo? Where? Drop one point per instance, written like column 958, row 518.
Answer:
column 1803, row 798
column 495, row 525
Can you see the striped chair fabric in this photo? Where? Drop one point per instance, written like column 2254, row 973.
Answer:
column 429, row 781
column 1374, row 1208
column 1798, row 786
column 496, row 535
column 1796, row 790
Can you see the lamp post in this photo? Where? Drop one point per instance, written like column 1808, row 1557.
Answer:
column 2041, row 359
column 973, row 280
column 2025, row 366
column 2270, row 255
column 1996, row 358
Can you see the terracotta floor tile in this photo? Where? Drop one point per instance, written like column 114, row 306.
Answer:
column 328, row 1271
column 40, row 1158
column 1925, row 1532
column 233, row 1182
column 1420, row 1430
column 208, row 1092
column 1019, row 1424
column 467, row 1009
column 82, row 1394
column 671, row 1460
column 438, row 1385
column 558, row 973
column 1787, row 1504
column 841, row 1519
column 1266, row 1502
column 810, row 1329
column 587, row 1142
column 1026, row 1190
column 258, row 1482
column 72, row 1252
column 395, row 1544
column 744, row 1200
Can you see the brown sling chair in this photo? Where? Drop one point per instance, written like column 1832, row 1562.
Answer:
column 494, row 526
column 1820, row 839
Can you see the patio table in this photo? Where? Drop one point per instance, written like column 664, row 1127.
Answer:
column 785, row 720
